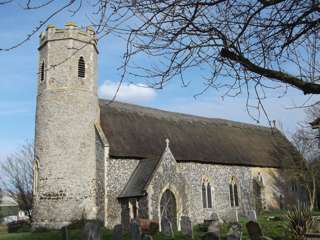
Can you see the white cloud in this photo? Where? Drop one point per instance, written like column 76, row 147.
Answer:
column 132, row 93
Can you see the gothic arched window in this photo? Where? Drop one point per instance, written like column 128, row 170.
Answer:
column 233, row 191
column 206, row 194
column 209, row 196
column 81, row 68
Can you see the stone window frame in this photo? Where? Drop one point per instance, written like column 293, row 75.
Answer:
column 36, row 170
column 207, row 199
column 178, row 198
column 234, row 193
column 81, row 67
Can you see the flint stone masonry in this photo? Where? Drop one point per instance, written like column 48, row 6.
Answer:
column 118, row 173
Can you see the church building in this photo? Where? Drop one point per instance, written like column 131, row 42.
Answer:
column 113, row 161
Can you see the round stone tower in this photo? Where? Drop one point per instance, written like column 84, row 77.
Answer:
column 67, row 109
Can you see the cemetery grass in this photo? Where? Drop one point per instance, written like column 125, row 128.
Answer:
column 275, row 229
column 50, row 235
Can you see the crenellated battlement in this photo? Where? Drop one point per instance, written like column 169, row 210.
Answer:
column 71, row 31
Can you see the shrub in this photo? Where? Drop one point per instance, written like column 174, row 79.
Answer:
column 300, row 221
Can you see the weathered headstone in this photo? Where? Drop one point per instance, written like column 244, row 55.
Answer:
column 214, row 227
column 213, row 231
column 117, row 232
column 235, row 232
column 254, row 230
column 65, row 235
column 186, row 226
column 91, row 231
column 166, row 227
column 134, row 231
column 252, row 215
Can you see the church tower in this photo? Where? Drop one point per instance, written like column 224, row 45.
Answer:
column 67, row 109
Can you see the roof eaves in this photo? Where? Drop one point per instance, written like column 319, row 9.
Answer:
column 101, row 134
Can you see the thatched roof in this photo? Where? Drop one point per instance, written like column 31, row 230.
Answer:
column 139, row 132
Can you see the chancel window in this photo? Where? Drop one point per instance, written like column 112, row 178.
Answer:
column 81, row 68
column 233, row 191
column 206, row 193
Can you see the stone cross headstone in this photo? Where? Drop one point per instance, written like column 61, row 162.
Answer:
column 117, row 232
column 91, row 231
column 134, row 231
column 254, row 230
column 186, row 226
column 252, row 215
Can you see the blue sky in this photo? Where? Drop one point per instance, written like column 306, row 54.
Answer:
column 18, row 69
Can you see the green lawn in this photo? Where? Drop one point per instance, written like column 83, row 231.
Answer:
column 275, row 229
column 52, row 235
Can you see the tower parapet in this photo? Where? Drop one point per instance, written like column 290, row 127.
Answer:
column 71, row 31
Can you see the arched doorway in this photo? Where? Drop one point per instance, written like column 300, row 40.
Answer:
column 168, row 213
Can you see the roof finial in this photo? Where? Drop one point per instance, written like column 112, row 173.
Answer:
column 167, row 143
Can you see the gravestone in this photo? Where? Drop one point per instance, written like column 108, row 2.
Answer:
column 252, row 215
column 235, row 232
column 134, row 231
column 117, row 232
column 65, row 235
column 254, row 230
column 214, row 227
column 186, row 226
column 166, row 227
column 213, row 231
column 91, row 231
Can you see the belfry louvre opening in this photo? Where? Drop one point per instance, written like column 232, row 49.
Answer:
column 81, row 68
